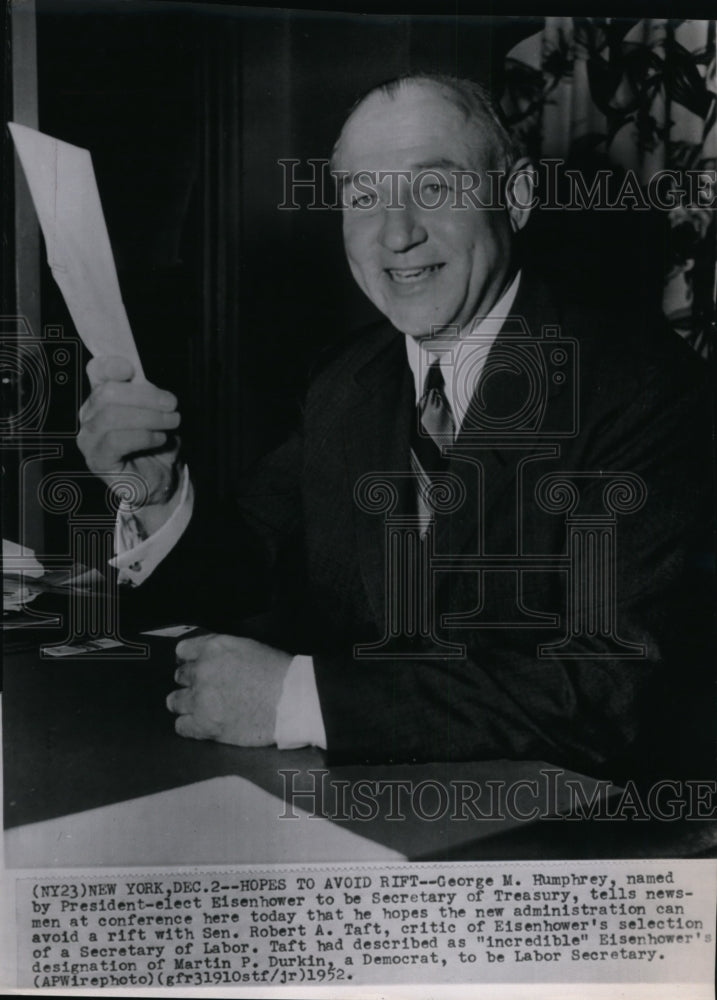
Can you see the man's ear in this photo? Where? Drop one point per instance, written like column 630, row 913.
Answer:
column 520, row 197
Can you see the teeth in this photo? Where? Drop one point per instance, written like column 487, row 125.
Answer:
column 411, row 274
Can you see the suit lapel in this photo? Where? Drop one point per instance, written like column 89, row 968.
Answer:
column 377, row 430
column 377, row 435
column 514, row 391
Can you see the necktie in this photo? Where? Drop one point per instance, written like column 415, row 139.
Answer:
column 434, row 428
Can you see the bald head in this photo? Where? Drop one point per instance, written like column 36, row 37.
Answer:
column 486, row 135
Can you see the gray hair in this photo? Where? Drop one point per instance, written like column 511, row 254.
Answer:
column 469, row 97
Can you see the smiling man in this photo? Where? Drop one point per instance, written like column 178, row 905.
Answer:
column 422, row 256
column 409, row 577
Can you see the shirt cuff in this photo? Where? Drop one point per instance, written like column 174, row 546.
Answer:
column 136, row 558
column 299, row 722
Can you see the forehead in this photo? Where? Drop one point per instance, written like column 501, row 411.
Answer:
column 416, row 124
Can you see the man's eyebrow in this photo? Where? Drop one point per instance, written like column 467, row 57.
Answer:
column 440, row 163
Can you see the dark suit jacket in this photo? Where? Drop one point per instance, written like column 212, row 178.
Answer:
column 308, row 563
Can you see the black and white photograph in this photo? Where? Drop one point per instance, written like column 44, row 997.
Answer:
column 358, row 502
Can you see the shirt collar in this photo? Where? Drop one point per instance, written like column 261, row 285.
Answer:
column 461, row 356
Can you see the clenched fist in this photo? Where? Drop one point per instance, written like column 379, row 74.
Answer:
column 130, row 426
column 230, row 689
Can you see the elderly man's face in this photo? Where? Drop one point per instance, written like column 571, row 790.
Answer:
column 423, row 267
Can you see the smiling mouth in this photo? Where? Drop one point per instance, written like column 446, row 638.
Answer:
column 410, row 275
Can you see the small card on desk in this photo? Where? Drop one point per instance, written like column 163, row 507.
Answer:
column 90, row 646
column 102, row 644
column 171, row 631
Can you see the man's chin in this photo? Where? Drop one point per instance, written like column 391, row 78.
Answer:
column 411, row 322
column 419, row 329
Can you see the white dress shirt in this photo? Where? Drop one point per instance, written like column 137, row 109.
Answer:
column 462, row 356
column 135, row 557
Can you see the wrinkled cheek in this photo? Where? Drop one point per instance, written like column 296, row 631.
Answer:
column 361, row 272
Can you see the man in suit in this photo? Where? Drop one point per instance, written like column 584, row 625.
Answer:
column 482, row 540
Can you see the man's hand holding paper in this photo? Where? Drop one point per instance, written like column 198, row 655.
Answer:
column 127, row 423
column 231, row 691
column 129, row 426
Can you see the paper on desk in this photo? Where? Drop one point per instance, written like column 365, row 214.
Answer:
column 221, row 821
column 64, row 191
column 19, row 559
column 19, row 567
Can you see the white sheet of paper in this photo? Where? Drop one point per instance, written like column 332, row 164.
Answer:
column 225, row 820
column 19, row 559
column 64, row 191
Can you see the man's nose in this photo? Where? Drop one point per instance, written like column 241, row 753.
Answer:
column 402, row 228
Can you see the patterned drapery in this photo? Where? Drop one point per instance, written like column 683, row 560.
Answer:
column 639, row 95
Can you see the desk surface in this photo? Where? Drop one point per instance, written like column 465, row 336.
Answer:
column 84, row 734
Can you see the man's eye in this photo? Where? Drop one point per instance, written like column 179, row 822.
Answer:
column 363, row 200
column 434, row 187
